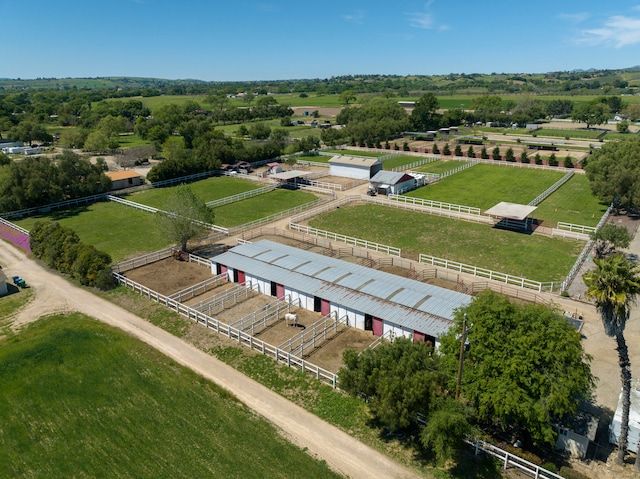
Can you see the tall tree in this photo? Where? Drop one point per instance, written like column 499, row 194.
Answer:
column 525, row 367
column 610, row 237
column 424, row 116
column 614, row 172
column 347, row 96
column 614, row 285
column 186, row 217
column 593, row 113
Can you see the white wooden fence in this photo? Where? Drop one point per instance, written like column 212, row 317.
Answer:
column 133, row 263
column 588, row 230
column 346, row 239
column 552, row 189
column 14, row 226
column 199, row 288
column 240, row 196
column 315, row 335
column 224, row 300
column 550, row 286
column 232, row 333
column 261, row 318
column 511, row 460
column 435, row 205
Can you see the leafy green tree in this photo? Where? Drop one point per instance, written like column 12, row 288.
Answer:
column 424, row 116
column 400, row 378
column 593, row 113
column 525, row 367
column 622, row 126
column 446, row 428
column 614, row 285
column 259, row 131
column 614, row 172
column 4, row 159
column 609, row 238
column 72, row 138
column 487, row 108
column 483, row 153
column 553, row 161
column 96, row 141
column 347, row 96
column 435, row 150
column 174, row 148
column 446, row 150
column 495, row 154
column 185, row 217
column 559, row 107
column 524, row 157
column 458, row 150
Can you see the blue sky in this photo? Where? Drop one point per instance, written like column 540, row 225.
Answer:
column 267, row 40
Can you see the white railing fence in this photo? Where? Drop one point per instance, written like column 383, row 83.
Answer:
column 14, row 226
column 552, row 189
column 240, row 196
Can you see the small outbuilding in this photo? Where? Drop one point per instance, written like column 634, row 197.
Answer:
column 634, row 419
column 392, row 183
column 357, row 167
column 575, row 437
column 512, row 215
column 3, row 284
column 124, row 179
column 291, row 178
column 274, row 167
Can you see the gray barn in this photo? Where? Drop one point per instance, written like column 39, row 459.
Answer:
column 372, row 300
column 357, row 167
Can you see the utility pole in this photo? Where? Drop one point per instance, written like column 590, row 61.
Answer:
column 461, row 360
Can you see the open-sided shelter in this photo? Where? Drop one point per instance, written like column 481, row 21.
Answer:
column 512, row 215
column 371, row 300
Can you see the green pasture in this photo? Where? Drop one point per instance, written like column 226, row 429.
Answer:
column 373, row 154
column 10, row 304
column 440, row 166
column 129, row 141
column 316, row 158
column 534, row 257
column 578, row 134
column 483, row 186
column 83, row 399
column 210, row 189
column 572, row 203
column 252, row 209
column 399, row 160
column 297, row 131
column 116, row 229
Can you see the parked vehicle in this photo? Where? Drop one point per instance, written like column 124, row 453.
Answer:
column 18, row 281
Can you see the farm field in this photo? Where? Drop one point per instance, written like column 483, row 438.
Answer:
column 252, row 209
column 399, row 160
column 572, row 203
column 298, row 131
column 122, row 409
column 534, row 257
column 113, row 228
column 483, row 186
column 315, row 158
column 208, row 190
column 589, row 134
column 440, row 166
column 373, row 154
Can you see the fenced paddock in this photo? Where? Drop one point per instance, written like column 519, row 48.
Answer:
column 237, row 293
column 200, row 288
column 313, row 337
column 232, row 333
column 260, row 319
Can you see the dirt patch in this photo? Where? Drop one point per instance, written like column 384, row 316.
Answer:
column 169, row 275
column 329, row 356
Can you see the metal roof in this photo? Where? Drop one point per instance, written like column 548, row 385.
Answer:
column 408, row 303
column 515, row 211
column 390, row 177
column 289, row 175
column 354, row 161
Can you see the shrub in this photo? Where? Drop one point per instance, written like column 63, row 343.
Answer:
column 471, row 153
column 568, row 161
column 396, row 147
column 569, row 473
column 550, row 466
column 483, row 153
column 524, row 157
column 553, row 161
column 509, row 156
column 495, row 154
column 387, row 146
column 435, row 149
column 458, row 151
column 446, row 150
column 538, row 159
column 405, row 146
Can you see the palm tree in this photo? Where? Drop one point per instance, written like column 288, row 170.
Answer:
column 613, row 285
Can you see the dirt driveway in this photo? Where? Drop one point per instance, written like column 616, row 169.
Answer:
column 343, row 453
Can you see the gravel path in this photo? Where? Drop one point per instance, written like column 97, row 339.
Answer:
column 343, row 453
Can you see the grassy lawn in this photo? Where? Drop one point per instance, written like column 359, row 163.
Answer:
column 209, row 190
column 10, row 304
column 116, row 229
column 373, row 154
column 572, row 203
column 129, row 141
column 251, row 209
column 316, row 158
column 399, row 160
column 535, row 257
column 122, row 409
column 483, row 186
column 440, row 166
column 592, row 134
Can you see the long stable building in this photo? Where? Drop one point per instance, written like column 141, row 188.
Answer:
column 372, row 300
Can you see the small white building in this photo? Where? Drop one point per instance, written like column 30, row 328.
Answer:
column 357, row 167
column 124, row 179
column 574, row 438
column 634, row 419
column 392, row 182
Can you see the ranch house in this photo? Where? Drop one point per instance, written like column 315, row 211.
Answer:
column 124, row 179
column 392, row 183
column 372, row 300
column 356, row 167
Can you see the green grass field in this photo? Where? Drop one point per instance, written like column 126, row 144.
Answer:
column 315, row 158
column 236, row 214
column 208, row 190
column 483, row 186
column 579, row 134
column 11, row 303
column 399, row 160
column 572, row 203
column 82, row 399
column 116, row 229
column 373, row 154
column 440, row 166
column 531, row 256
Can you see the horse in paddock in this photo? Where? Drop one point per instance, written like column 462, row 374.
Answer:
column 290, row 317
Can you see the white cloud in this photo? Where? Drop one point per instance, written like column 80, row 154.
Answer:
column 618, row 31
column 424, row 20
column 356, row 17
column 574, row 17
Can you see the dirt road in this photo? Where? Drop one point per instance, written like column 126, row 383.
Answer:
column 343, row 453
